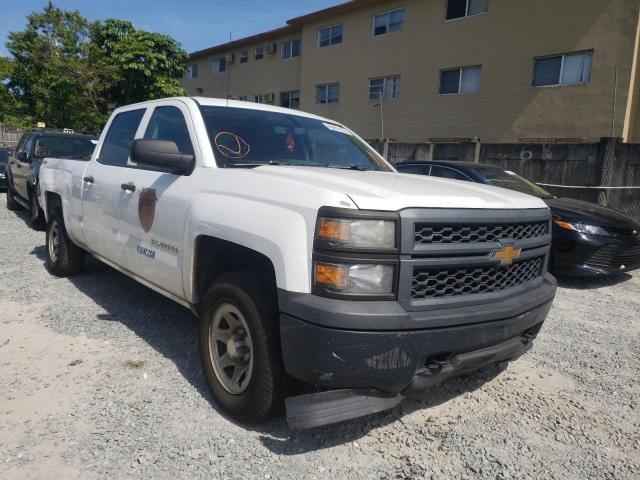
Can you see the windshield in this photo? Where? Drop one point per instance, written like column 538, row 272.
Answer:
column 247, row 138
column 507, row 179
column 64, row 146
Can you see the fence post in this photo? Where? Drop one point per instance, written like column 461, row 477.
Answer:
column 607, row 179
column 385, row 148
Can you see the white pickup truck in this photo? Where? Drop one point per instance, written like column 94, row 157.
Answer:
column 304, row 254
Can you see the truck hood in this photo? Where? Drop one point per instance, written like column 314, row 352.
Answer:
column 371, row 190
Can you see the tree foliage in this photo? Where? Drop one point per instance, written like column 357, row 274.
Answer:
column 69, row 72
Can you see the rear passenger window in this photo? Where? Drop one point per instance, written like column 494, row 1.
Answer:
column 444, row 172
column 167, row 123
column 117, row 144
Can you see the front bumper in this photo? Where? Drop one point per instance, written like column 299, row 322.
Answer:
column 400, row 360
column 582, row 255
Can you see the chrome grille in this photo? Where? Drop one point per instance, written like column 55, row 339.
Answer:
column 447, row 282
column 428, row 233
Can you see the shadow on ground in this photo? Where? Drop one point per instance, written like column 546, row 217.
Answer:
column 591, row 283
column 173, row 332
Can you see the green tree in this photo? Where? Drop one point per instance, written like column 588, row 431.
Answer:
column 13, row 112
column 69, row 72
column 149, row 64
column 53, row 75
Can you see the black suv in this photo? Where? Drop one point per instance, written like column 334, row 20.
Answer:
column 24, row 164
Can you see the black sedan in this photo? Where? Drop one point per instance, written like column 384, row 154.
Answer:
column 588, row 239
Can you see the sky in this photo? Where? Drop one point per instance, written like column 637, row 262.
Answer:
column 196, row 24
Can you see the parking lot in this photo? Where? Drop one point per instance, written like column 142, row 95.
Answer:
column 100, row 378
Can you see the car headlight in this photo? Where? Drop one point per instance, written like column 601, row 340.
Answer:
column 357, row 233
column 363, row 279
column 583, row 228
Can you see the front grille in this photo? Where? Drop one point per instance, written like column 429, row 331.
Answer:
column 612, row 257
column 429, row 233
column 447, row 282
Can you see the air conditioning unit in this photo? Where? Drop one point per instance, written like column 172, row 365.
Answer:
column 269, row 97
column 270, row 48
column 229, row 58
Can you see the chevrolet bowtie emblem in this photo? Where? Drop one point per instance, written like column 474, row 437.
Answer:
column 506, row 255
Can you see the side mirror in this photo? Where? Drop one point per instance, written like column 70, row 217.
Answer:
column 23, row 156
column 161, row 153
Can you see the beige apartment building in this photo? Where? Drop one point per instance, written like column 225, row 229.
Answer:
column 445, row 70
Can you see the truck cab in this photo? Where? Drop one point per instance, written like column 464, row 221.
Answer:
column 304, row 254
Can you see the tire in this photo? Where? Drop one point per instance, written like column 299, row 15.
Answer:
column 36, row 216
column 63, row 256
column 11, row 201
column 261, row 394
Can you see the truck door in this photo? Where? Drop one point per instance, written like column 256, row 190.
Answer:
column 153, row 218
column 102, row 191
column 20, row 165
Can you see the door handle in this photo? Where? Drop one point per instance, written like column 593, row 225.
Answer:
column 128, row 187
column 88, row 179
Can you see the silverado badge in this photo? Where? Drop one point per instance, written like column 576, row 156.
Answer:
column 147, row 208
column 506, row 255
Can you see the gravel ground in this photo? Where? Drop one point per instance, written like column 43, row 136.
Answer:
column 100, row 378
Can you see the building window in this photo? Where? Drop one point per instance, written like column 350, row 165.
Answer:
column 258, row 98
column 567, row 69
column 330, row 36
column 219, row 65
column 460, row 80
column 244, row 57
column 192, row 72
column 243, row 98
column 329, row 93
column 259, row 53
column 290, row 99
column 386, row 88
column 466, row 8
column 291, row 49
column 388, row 22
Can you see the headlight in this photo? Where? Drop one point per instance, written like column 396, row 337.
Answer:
column 357, row 233
column 363, row 279
column 582, row 228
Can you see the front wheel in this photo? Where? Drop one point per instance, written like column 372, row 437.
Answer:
column 240, row 347
column 63, row 256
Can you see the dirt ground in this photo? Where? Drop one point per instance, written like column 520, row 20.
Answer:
column 100, row 378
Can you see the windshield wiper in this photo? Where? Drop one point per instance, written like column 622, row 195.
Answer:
column 243, row 165
column 353, row 166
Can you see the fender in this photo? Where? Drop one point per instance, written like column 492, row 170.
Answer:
column 281, row 232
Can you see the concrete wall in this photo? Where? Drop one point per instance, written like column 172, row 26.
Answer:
column 560, row 164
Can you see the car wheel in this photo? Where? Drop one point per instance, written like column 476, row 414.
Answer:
column 240, row 347
column 63, row 256
column 11, row 201
column 36, row 220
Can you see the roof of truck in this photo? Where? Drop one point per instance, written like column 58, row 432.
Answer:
column 223, row 102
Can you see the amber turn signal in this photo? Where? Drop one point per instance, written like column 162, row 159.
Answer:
column 330, row 275
column 333, row 229
column 565, row 225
